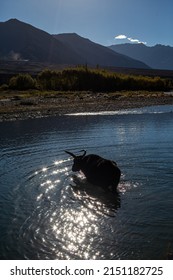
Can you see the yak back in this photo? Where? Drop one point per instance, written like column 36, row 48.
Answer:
column 94, row 164
column 100, row 171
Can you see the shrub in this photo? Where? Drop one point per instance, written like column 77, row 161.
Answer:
column 22, row 82
column 87, row 79
column 4, row 87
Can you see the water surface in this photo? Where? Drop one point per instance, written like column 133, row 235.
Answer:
column 47, row 212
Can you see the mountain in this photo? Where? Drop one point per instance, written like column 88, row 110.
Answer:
column 157, row 57
column 96, row 54
column 22, row 41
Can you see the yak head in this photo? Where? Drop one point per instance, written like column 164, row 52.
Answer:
column 77, row 162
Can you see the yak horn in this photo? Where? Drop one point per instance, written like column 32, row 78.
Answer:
column 83, row 153
column 71, row 154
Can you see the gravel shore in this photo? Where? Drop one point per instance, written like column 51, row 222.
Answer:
column 17, row 108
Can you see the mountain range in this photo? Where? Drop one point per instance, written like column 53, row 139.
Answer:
column 23, row 42
column 157, row 57
column 96, row 54
column 20, row 41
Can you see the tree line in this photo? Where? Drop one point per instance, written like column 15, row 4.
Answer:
column 84, row 78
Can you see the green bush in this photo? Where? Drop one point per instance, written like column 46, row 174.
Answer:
column 4, row 87
column 87, row 79
column 22, row 82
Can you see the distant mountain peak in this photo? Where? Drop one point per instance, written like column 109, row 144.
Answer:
column 157, row 57
column 13, row 21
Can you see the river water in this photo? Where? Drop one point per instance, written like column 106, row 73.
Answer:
column 47, row 212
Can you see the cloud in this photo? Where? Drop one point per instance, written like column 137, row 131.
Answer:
column 120, row 37
column 134, row 41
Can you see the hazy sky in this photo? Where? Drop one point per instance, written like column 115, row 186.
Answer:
column 148, row 21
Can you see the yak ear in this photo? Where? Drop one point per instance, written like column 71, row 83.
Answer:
column 71, row 154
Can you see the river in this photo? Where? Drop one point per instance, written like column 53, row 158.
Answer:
column 47, row 212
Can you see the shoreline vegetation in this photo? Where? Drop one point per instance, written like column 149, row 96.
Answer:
column 77, row 90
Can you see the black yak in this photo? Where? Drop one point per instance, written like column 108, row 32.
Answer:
column 97, row 170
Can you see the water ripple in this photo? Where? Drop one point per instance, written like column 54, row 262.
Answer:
column 47, row 212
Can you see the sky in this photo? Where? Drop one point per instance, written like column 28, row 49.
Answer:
column 105, row 22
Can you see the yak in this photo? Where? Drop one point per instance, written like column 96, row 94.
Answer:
column 97, row 170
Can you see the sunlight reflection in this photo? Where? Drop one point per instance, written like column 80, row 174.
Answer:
column 57, row 181
column 62, row 170
column 57, row 162
column 44, row 169
column 76, row 228
column 49, row 188
column 72, row 217
column 39, row 197
column 126, row 186
column 46, row 183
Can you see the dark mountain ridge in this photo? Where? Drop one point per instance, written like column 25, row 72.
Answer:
column 96, row 54
column 22, row 41
column 157, row 57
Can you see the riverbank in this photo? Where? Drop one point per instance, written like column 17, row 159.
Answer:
column 21, row 105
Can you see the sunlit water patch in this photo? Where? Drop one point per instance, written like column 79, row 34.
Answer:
column 138, row 111
column 48, row 212
column 66, row 218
